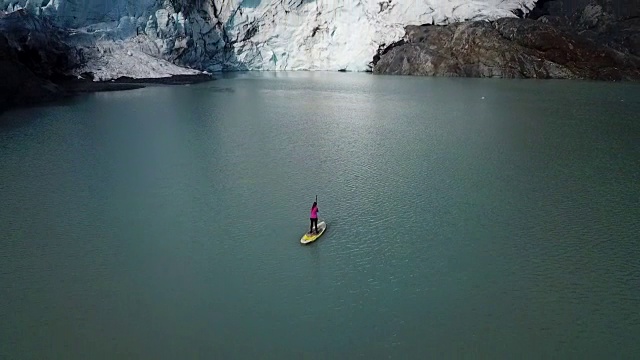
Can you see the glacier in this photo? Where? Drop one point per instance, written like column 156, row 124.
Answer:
column 344, row 35
column 156, row 38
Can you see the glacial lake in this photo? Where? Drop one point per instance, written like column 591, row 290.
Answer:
column 467, row 218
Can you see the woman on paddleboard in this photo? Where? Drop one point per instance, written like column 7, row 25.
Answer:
column 314, row 218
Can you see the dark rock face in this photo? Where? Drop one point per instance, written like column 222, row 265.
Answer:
column 619, row 9
column 33, row 55
column 19, row 85
column 38, row 44
column 592, row 45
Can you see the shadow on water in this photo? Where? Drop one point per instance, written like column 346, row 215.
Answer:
column 23, row 115
column 13, row 119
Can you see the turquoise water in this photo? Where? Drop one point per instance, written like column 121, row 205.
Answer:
column 468, row 218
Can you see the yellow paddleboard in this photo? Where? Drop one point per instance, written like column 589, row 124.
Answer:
column 307, row 238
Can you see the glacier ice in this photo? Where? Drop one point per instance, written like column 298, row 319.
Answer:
column 334, row 35
column 150, row 38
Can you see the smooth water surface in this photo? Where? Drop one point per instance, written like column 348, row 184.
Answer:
column 468, row 218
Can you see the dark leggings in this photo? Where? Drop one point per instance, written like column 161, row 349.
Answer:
column 313, row 221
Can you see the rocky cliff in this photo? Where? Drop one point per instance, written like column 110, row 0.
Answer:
column 591, row 44
column 33, row 54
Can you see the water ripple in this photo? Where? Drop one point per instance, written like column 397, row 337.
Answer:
column 453, row 224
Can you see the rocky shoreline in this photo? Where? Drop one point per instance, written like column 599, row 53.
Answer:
column 22, row 88
column 74, row 85
column 591, row 44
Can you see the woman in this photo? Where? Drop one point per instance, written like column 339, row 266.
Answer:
column 314, row 218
